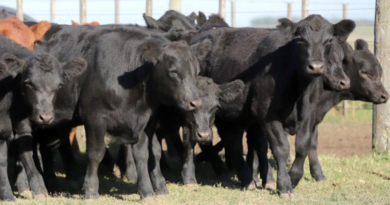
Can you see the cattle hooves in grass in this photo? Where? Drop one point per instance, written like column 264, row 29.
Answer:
column 320, row 179
column 27, row 194
column 270, row 186
column 40, row 196
column 286, row 195
column 7, row 197
column 251, row 186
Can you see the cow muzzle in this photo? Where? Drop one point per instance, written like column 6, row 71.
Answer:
column 316, row 68
column 194, row 104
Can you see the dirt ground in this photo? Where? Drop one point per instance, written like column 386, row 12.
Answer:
column 340, row 140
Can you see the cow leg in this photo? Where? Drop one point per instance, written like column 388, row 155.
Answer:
column 231, row 135
column 48, row 168
column 129, row 167
column 158, row 180
column 210, row 153
column 21, row 178
column 315, row 166
column 188, row 172
column 67, row 152
column 5, row 187
column 253, row 161
column 141, row 156
column 280, row 149
column 25, row 153
column 260, row 151
column 95, row 152
column 302, row 146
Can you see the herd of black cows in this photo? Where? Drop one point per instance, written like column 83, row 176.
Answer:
column 142, row 84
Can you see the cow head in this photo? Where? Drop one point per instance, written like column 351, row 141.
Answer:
column 19, row 33
column 164, row 23
column 365, row 72
column 309, row 39
column 213, row 96
column 334, row 77
column 175, row 67
column 41, row 76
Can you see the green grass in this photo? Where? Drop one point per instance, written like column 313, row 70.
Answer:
column 348, row 183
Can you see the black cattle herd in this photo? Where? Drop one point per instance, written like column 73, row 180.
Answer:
column 142, row 84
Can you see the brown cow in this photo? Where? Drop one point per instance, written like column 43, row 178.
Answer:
column 19, row 33
column 93, row 23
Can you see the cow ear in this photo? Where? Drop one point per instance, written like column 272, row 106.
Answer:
column 13, row 63
column 40, row 29
column 153, row 23
column 74, row 68
column 202, row 49
column 150, row 51
column 230, row 91
column 361, row 44
column 193, row 16
column 286, row 26
column 75, row 24
column 342, row 29
column 201, row 19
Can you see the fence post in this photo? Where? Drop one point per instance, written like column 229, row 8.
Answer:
column 52, row 10
column 381, row 113
column 222, row 7
column 233, row 13
column 175, row 5
column 19, row 9
column 83, row 11
column 149, row 8
column 289, row 10
column 117, row 11
column 305, row 8
column 345, row 103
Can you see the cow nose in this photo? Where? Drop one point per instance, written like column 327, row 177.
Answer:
column 204, row 136
column 384, row 98
column 194, row 104
column 344, row 84
column 46, row 118
column 316, row 67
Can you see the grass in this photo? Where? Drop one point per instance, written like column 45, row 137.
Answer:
column 348, row 183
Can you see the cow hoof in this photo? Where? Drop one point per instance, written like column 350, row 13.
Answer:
column 7, row 197
column 40, row 196
column 26, row 194
column 117, row 172
column 286, row 195
column 320, row 179
column 163, row 191
column 251, row 186
column 270, row 186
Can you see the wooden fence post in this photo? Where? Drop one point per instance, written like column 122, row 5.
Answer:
column 83, row 12
column 381, row 114
column 305, row 8
column 19, row 9
column 222, row 7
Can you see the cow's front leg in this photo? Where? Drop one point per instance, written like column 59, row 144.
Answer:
column 95, row 131
column 280, row 149
column 188, row 172
column 5, row 187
